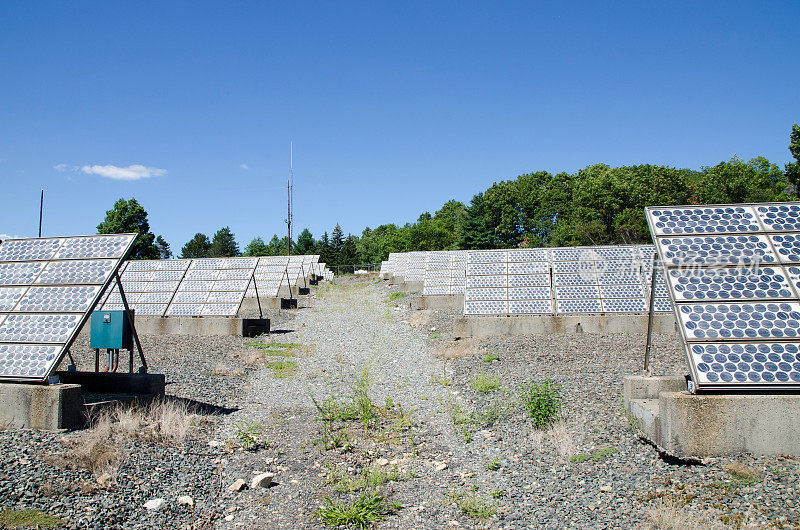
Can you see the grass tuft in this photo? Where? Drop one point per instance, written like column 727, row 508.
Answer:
column 282, row 369
column 398, row 294
column 364, row 512
column 472, row 505
column 484, row 383
column 491, row 357
column 28, row 519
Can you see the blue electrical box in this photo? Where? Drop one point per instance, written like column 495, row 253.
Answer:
column 111, row 330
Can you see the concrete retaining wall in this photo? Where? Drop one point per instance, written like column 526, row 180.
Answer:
column 488, row 326
column 413, row 287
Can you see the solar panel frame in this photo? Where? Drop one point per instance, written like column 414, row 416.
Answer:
column 32, row 332
column 761, row 327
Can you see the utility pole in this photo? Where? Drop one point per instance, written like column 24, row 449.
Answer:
column 289, row 189
column 41, row 208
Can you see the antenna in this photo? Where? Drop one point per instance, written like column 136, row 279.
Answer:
column 289, row 190
column 41, row 209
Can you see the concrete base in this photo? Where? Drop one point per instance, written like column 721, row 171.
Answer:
column 151, row 385
column 413, row 287
column 488, row 326
column 205, row 326
column 396, row 280
column 704, row 425
column 52, row 408
column 250, row 305
column 452, row 301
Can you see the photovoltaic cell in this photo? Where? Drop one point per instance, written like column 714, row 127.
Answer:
column 787, row 246
column 740, row 321
column 780, row 217
column 765, row 362
column 717, row 250
column 761, row 283
column 703, row 220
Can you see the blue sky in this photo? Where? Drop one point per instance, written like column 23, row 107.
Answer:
column 393, row 108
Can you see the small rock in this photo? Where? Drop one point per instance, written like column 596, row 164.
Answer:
column 382, row 462
column 605, row 488
column 105, row 480
column 214, row 443
column 229, row 518
column 439, row 466
column 264, row 480
column 154, row 504
column 239, row 485
column 185, row 500
column 453, row 523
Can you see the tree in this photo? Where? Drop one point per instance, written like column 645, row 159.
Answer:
column 163, row 248
column 793, row 168
column 349, row 253
column 197, row 247
column 305, row 243
column 277, row 246
column 337, row 240
column 224, row 245
column 128, row 217
column 324, row 250
column 476, row 233
column 256, row 247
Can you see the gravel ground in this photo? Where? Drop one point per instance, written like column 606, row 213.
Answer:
column 471, row 459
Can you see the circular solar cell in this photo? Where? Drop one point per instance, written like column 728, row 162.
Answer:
column 744, row 364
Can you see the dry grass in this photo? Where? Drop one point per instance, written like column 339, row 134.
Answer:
column 562, row 439
column 420, row 319
column 742, row 473
column 222, row 370
column 250, row 357
column 459, row 349
column 101, row 448
column 669, row 514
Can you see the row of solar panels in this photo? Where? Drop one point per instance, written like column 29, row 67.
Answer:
column 569, row 280
column 209, row 286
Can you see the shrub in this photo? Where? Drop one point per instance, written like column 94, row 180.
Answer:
column 543, row 401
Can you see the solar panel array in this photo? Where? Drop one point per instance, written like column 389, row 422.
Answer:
column 445, row 273
column 149, row 286
column 47, row 289
column 731, row 273
column 213, row 287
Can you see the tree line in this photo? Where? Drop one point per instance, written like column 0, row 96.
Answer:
column 596, row 205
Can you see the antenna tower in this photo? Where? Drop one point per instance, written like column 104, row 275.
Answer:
column 289, row 192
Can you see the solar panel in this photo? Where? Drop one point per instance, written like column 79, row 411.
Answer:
column 734, row 290
column 50, row 285
column 213, row 287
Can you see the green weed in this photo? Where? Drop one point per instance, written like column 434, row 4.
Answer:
column 398, row 294
column 250, row 436
column 493, row 465
column 364, row 512
column 282, row 369
column 471, row 505
column 484, row 383
column 491, row 357
column 543, row 401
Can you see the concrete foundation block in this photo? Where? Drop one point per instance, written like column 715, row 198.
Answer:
column 151, row 385
column 413, row 287
column 488, row 326
column 450, row 301
column 702, row 425
column 642, row 387
column 644, row 414
column 51, row 408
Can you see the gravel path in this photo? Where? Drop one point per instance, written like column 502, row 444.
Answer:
column 448, row 441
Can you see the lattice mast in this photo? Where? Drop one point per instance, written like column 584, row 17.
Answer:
column 289, row 191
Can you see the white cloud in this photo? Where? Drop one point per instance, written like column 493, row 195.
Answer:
column 3, row 237
column 244, row 166
column 61, row 167
column 133, row 172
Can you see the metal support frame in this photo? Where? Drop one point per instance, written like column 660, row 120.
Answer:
column 133, row 326
column 650, row 313
column 255, row 286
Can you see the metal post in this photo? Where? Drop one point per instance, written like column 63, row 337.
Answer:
column 650, row 314
column 255, row 285
column 41, row 208
column 130, row 320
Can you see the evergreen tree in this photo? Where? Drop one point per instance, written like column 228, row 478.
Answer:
column 129, row 217
column 324, row 250
column 224, row 245
column 793, row 168
column 476, row 233
column 197, row 247
column 348, row 255
column 163, row 248
column 256, row 247
column 337, row 240
column 305, row 243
